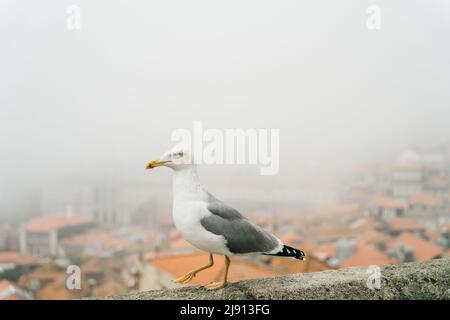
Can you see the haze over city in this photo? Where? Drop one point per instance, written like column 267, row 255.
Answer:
column 99, row 102
column 363, row 117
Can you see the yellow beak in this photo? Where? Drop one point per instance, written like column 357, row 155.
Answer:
column 155, row 163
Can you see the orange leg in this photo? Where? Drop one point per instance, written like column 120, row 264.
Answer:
column 223, row 283
column 190, row 275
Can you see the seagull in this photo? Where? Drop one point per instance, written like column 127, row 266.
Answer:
column 211, row 225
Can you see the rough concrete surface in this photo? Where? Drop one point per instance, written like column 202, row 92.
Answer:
column 415, row 280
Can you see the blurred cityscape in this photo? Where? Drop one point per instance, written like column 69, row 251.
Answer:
column 392, row 211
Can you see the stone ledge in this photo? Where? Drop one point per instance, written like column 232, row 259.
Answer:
column 415, row 280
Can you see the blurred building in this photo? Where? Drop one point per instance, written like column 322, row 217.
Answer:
column 41, row 236
column 99, row 242
column 410, row 247
column 406, row 180
column 10, row 260
column 394, row 226
column 386, row 206
column 109, row 205
column 9, row 238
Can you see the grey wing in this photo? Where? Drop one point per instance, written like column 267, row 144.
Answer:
column 241, row 235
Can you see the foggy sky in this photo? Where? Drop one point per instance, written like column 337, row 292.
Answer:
column 102, row 101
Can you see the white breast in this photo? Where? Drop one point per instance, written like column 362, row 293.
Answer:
column 189, row 207
column 187, row 216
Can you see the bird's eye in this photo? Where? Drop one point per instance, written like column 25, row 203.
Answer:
column 179, row 154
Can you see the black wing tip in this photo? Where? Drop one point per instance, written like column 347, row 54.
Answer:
column 287, row 251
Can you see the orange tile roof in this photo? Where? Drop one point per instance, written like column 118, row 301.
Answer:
column 54, row 291
column 110, row 287
column 387, row 202
column 373, row 236
column 178, row 265
column 400, row 224
column 46, row 272
column 102, row 239
column 50, row 222
column 423, row 249
column 367, row 255
column 54, row 283
column 424, row 198
column 96, row 264
column 14, row 257
column 50, row 276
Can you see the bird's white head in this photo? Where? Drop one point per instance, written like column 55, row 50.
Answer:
column 177, row 158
